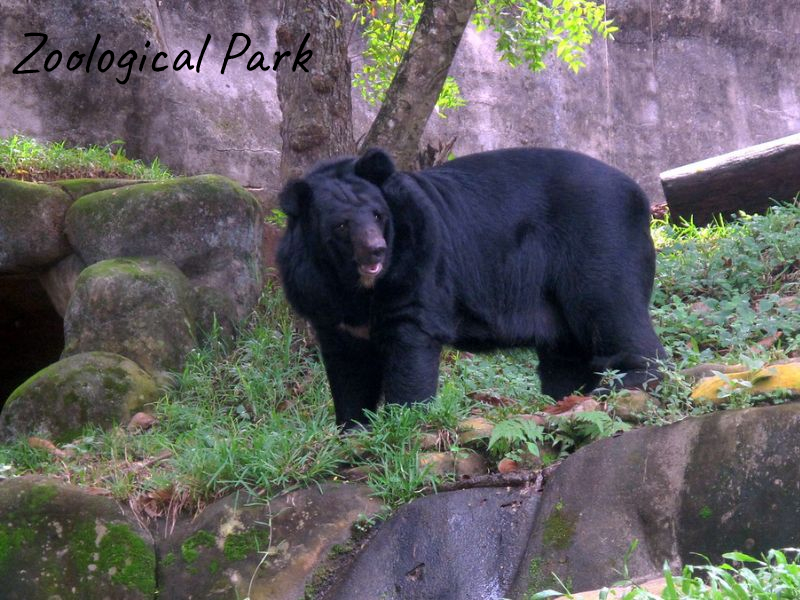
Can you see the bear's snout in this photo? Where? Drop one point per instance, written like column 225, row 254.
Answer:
column 370, row 247
column 369, row 252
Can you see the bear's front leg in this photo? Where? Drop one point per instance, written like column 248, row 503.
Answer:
column 354, row 370
column 411, row 365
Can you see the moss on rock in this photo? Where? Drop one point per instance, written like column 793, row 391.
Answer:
column 190, row 548
column 139, row 308
column 58, row 541
column 216, row 554
column 208, row 226
column 76, row 188
column 559, row 528
column 97, row 388
column 177, row 219
column 31, row 226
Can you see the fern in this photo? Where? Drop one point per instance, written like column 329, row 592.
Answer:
column 513, row 436
column 584, row 427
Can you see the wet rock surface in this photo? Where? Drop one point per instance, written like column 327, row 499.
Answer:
column 463, row 545
column 58, row 541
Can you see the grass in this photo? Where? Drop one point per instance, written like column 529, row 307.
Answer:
column 31, row 160
column 258, row 415
column 724, row 295
column 774, row 576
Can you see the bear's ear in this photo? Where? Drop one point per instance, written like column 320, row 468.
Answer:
column 375, row 166
column 295, row 197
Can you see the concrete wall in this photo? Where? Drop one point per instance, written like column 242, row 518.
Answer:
column 684, row 79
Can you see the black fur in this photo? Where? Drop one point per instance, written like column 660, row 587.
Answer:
column 526, row 247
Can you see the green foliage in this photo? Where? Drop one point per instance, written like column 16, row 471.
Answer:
column 31, row 160
column 773, row 576
column 388, row 26
column 511, row 437
column 527, row 31
column 720, row 287
column 277, row 218
column 585, row 427
column 390, row 447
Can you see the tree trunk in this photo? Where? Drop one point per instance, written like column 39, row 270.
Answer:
column 317, row 115
column 420, row 77
column 743, row 180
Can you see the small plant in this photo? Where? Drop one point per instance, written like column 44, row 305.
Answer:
column 512, row 438
column 585, row 427
column 277, row 218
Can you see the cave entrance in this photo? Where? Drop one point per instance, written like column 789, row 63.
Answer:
column 31, row 331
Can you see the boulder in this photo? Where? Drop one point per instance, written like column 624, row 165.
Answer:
column 31, row 226
column 462, row 545
column 245, row 547
column 88, row 185
column 95, row 388
column 139, row 308
column 57, row 541
column 722, row 482
column 209, row 226
column 59, row 281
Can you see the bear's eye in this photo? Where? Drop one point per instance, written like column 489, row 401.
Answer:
column 378, row 217
column 341, row 228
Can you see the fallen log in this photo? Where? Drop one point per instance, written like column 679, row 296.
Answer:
column 748, row 179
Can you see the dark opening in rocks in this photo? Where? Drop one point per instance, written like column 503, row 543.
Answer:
column 31, row 331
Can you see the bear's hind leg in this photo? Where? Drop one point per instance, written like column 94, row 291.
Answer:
column 564, row 373
column 630, row 346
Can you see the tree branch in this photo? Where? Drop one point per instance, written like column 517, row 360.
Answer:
column 420, row 77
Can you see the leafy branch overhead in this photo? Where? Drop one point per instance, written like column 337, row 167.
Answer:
column 526, row 32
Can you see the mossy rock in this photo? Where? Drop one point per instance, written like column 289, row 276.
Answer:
column 699, row 487
column 57, row 541
column 139, row 308
column 84, row 186
column 95, row 388
column 217, row 554
column 31, row 226
column 208, row 225
column 214, row 310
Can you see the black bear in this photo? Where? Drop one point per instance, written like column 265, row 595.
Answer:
column 520, row 247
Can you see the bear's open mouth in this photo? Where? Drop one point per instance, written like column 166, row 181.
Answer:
column 370, row 270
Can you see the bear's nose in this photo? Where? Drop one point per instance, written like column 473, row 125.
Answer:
column 377, row 250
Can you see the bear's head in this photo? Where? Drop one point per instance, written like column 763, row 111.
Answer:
column 344, row 217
